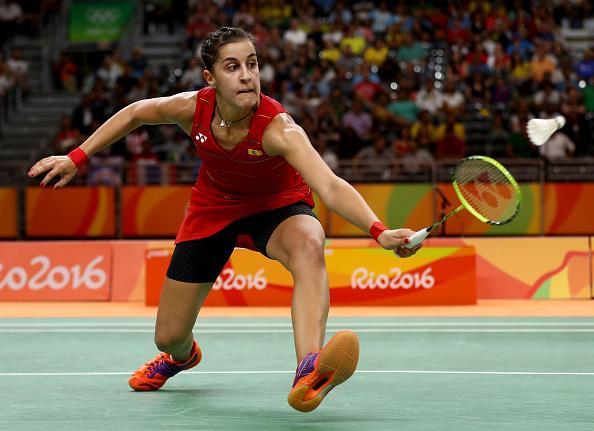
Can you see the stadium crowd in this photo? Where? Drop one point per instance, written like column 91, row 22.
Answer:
column 370, row 82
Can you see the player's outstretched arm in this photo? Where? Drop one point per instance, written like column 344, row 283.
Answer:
column 176, row 109
column 285, row 138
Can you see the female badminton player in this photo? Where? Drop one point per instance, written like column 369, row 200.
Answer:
column 253, row 190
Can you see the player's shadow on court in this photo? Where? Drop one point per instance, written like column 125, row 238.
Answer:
column 196, row 392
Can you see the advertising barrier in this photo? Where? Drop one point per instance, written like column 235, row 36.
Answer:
column 9, row 210
column 70, row 212
column 358, row 276
column 55, row 271
column 153, row 210
column 359, row 271
column 157, row 211
column 530, row 268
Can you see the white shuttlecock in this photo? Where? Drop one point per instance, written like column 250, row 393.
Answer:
column 541, row 129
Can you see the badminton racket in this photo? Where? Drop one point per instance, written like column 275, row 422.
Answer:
column 485, row 189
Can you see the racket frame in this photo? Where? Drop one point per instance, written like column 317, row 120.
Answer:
column 420, row 235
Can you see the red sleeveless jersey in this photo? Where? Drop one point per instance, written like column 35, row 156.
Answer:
column 241, row 182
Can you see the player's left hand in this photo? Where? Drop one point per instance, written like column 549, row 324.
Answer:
column 395, row 239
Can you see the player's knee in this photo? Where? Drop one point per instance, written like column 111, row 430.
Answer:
column 310, row 247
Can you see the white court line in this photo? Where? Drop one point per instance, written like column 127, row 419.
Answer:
column 491, row 373
column 286, row 331
column 288, row 324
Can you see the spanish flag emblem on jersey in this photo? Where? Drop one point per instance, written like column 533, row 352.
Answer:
column 254, row 152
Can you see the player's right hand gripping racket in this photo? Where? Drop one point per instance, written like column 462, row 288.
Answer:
column 486, row 189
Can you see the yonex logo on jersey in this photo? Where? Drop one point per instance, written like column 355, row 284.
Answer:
column 253, row 152
column 200, row 137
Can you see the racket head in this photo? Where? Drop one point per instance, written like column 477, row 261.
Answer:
column 487, row 190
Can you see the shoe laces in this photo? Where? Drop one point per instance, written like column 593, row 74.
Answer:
column 154, row 363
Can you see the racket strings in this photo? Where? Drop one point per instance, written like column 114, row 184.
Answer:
column 487, row 189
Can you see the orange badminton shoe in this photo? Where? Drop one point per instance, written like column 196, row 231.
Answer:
column 153, row 374
column 319, row 372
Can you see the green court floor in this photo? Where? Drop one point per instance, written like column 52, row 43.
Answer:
column 414, row 374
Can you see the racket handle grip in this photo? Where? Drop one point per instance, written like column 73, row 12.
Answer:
column 417, row 238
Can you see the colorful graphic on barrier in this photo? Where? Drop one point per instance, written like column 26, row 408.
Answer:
column 358, row 276
column 530, row 268
column 398, row 205
column 153, row 210
column 506, row 268
column 568, row 208
column 9, row 208
column 158, row 211
column 70, row 212
column 55, row 271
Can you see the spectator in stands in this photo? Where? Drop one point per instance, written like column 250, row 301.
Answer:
column 457, row 34
column 105, row 169
column 521, row 47
column 521, row 115
column 126, row 81
column 458, row 67
column 424, row 122
column 110, row 71
column 348, row 61
column 295, row 35
column 450, row 146
column 6, row 78
column 19, row 68
column 159, row 13
column 403, row 143
column 67, row 138
column 411, row 49
column 327, row 122
column 519, row 144
column 403, row 106
column 331, row 52
column 136, row 143
column 451, row 122
column 340, row 14
column 192, row 76
column 497, row 138
column 430, row 98
column 366, row 86
column 138, row 62
column 415, row 157
column 245, row 16
column 381, row 19
column 494, row 55
column 376, row 54
column 65, row 71
column 326, row 153
column 139, row 91
column 558, row 146
column 546, row 95
column 542, row 64
column 374, row 160
column 498, row 61
column 453, row 99
column 11, row 17
column 358, row 120
column 585, row 67
column 477, row 92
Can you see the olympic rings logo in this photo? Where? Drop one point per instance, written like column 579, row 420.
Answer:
column 103, row 15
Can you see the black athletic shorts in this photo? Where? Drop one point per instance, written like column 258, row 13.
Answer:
column 201, row 260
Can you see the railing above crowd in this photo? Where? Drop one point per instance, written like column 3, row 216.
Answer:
column 117, row 173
